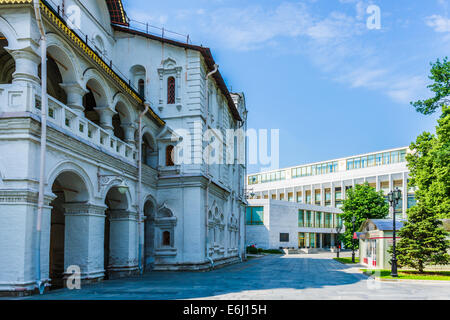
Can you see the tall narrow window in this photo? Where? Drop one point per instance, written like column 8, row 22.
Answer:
column 171, row 90
column 166, row 238
column 141, row 87
column 169, row 156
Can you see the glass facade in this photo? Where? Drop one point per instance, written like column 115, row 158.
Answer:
column 377, row 159
column 301, row 218
column 318, row 220
column 309, row 221
column 255, row 216
column 315, row 170
column 267, row 177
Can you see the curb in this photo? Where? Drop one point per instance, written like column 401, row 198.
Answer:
column 407, row 280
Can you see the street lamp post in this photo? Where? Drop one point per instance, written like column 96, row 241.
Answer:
column 394, row 198
column 338, row 231
column 353, row 240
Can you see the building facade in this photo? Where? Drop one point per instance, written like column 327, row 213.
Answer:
column 275, row 224
column 324, row 185
column 187, row 215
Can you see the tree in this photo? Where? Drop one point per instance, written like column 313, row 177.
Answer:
column 363, row 202
column 429, row 164
column 422, row 240
column 440, row 74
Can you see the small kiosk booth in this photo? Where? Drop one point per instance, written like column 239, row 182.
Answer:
column 375, row 237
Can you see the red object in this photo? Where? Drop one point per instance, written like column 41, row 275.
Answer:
column 355, row 236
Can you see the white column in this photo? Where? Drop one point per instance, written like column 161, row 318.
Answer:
column 27, row 62
column 378, row 183
column 123, row 245
column 342, row 190
column 333, row 196
column 75, row 94
column 322, row 195
column 303, row 195
column 129, row 130
column 84, row 239
column 106, row 115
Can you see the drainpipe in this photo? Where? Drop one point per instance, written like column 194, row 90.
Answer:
column 216, row 67
column 140, row 211
column 44, row 102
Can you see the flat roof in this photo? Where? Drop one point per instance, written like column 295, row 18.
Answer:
column 327, row 161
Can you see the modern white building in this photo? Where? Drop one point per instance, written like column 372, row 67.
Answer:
column 187, row 215
column 304, row 201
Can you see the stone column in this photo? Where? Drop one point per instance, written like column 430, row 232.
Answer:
column 322, row 195
column 129, row 129
column 333, row 195
column 123, row 259
column 378, row 183
column 75, row 94
column 27, row 62
column 303, row 195
column 343, row 196
column 106, row 115
column 84, row 240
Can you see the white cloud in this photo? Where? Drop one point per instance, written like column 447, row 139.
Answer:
column 338, row 44
column 438, row 23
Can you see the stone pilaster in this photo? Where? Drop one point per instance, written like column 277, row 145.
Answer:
column 84, row 239
column 123, row 250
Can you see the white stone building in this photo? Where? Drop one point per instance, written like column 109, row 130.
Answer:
column 299, row 200
column 99, row 77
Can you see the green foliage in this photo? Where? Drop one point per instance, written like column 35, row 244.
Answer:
column 412, row 275
column 422, row 240
column 429, row 167
column 347, row 260
column 440, row 74
column 363, row 203
column 252, row 250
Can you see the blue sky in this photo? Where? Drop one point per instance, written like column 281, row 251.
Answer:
column 314, row 70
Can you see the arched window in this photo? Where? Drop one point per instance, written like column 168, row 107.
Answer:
column 166, row 238
column 169, row 156
column 141, row 87
column 171, row 90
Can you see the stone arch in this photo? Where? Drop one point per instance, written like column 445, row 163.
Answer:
column 128, row 115
column 99, row 44
column 71, row 191
column 69, row 64
column 97, row 100
column 150, row 151
column 7, row 62
column 136, row 74
column 68, row 166
column 119, row 245
column 103, row 94
column 124, row 119
column 149, row 210
column 10, row 34
column 126, row 197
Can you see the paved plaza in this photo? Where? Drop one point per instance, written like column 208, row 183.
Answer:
column 303, row 277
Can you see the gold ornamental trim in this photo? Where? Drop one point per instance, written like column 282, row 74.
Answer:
column 57, row 22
